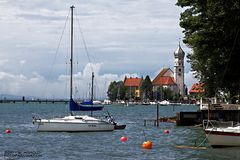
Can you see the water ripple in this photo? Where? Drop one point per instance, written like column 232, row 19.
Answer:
column 105, row 145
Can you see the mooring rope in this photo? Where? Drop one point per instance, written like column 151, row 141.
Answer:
column 206, row 135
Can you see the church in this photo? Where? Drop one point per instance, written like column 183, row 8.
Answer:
column 173, row 80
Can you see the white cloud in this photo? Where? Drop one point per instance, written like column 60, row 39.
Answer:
column 4, row 75
column 133, row 38
column 37, row 85
column 3, row 62
column 22, row 62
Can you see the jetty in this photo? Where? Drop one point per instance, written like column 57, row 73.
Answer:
column 34, row 101
column 215, row 111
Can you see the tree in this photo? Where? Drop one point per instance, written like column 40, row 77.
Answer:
column 116, row 90
column 167, row 94
column 146, row 88
column 211, row 29
column 112, row 91
column 122, row 90
column 163, row 93
column 176, row 97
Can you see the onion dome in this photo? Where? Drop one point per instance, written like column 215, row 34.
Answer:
column 179, row 53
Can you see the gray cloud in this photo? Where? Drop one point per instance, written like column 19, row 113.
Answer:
column 37, row 17
column 124, row 36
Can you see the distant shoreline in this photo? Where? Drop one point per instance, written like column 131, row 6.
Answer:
column 35, row 101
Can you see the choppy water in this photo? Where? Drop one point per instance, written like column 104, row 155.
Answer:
column 26, row 142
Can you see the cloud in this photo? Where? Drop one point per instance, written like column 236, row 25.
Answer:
column 125, row 37
column 22, row 62
column 82, row 81
column 37, row 85
column 38, row 17
column 3, row 62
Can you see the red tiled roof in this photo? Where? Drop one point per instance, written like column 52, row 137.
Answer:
column 133, row 82
column 197, row 88
column 163, row 80
column 163, row 71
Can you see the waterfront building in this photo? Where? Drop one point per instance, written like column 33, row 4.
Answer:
column 196, row 90
column 165, row 79
column 173, row 80
column 133, row 85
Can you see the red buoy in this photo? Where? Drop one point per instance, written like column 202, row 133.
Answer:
column 166, row 131
column 124, row 139
column 7, row 131
column 147, row 145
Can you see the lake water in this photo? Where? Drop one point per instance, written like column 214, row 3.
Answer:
column 25, row 143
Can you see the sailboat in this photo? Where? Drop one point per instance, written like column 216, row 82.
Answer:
column 222, row 135
column 74, row 123
column 90, row 105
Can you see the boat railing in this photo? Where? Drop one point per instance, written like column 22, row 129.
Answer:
column 217, row 124
column 36, row 116
column 106, row 118
column 58, row 116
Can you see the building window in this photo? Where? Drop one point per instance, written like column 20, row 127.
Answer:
column 179, row 74
column 179, row 69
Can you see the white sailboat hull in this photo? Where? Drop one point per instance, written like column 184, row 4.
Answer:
column 73, row 124
column 219, row 137
column 73, row 127
column 223, row 140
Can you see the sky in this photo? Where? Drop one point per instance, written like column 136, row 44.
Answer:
column 113, row 38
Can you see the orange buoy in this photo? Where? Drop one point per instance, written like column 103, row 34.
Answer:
column 147, row 145
column 123, row 139
column 7, row 131
column 166, row 131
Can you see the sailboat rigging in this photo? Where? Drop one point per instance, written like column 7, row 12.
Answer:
column 75, row 123
column 87, row 105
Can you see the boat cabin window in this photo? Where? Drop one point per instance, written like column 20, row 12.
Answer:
column 78, row 118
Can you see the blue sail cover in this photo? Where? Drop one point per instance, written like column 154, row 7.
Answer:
column 89, row 106
column 73, row 106
column 85, row 106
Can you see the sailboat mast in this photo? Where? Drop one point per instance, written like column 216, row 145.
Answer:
column 92, row 86
column 118, row 92
column 71, row 59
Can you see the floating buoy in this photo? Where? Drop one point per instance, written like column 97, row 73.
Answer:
column 124, row 139
column 147, row 145
column 166, row 131
column 7, row 131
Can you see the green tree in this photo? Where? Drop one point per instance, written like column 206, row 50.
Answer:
column 121, row 91
column 112, row 91
column 163, row 93
column 146, row 88
column 116, row 90
column 211, row 29
column 167, row 94
column 176, row 97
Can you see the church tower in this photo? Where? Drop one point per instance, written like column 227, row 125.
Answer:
column 179, row 69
